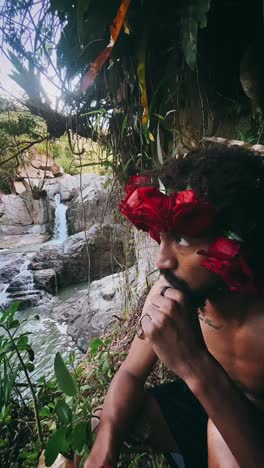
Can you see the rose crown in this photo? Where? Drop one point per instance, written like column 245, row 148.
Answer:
column 185, row 214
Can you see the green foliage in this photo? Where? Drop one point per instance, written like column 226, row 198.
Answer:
column 71, row 414
column 65, row 380
column 66, row 403
column 18, row 124
column 57, row 443
column 156, row 43
column 17, row 129
column 64, row 412
column 16, row 356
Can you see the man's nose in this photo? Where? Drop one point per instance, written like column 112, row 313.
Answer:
column 166, row 257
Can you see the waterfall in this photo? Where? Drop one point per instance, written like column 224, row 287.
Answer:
column 3, row 294
column 20, row 288
column 60, row 232
column 27, row 277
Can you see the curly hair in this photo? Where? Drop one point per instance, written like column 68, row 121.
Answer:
column 233, row 180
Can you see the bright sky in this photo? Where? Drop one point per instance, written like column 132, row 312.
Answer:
column 10, row 89
column 6, row 82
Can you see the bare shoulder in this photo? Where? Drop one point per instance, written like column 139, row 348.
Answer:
column 236, row 342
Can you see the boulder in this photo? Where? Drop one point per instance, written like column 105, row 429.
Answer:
column 56, row 170
column 23, row 215
column 10, row 265
column 70, row 186
column 50, row 256
column 27, row 237
column 94, row 205
column 46, row 279
column 92, row 313
column 41, row 161
column 146, row 250
column 28, row 172
column 19, row 187
column 85, row 256
column 13, row 211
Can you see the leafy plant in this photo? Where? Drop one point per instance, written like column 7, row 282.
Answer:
column 72, row 415
column 124, row 50
column 73, row 410
column 16, row 364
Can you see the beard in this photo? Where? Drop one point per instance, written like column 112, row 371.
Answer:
column 196, row 297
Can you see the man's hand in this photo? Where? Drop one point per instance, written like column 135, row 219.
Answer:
column 102, row 455
column 172, row 327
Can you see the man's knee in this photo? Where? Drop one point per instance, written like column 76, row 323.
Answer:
column 160, row 436
column 219, row 454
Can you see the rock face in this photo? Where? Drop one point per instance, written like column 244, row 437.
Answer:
column 10, row 266
column 16, row 280
column 32, row 214
column 98, row 251
column 14, row 214
column 94, row 205
column 69, row 186
column 85, row 256
column 21, row 215
column 46, row 280
column 36, row 169
column 146, row 250
column 92, row 313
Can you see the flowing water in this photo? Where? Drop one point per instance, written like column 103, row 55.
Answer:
column 60, row 226
column 47, row 335
column 3, row 294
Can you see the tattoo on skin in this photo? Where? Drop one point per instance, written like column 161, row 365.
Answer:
column 209, row 322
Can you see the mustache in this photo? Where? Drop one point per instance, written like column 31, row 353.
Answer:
column 177, row 283
column 196, row 298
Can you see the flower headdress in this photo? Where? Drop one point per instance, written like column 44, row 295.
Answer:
column 186, row 214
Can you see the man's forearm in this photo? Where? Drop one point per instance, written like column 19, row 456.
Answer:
column 236, row 418
column 122, row 403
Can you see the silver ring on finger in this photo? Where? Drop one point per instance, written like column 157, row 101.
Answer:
column 164, row 289
column 139, row 330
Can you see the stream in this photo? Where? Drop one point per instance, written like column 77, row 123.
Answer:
column 48, row 335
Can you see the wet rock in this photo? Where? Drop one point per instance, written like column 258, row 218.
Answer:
column 26, row 299
column 85, row 256
column 95, row 311
column 47, row 280
column 10, row 266
column 50, row 256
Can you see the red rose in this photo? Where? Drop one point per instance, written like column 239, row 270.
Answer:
column 137, row 181
column 191, row 216
column 226, row 259
column 147, row 208
column 184, row 214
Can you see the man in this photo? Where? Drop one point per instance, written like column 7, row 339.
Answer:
column 204, row 317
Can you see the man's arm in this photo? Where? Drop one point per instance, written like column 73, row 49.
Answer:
column 237, row 419
column 123, row 400
column 173, row 330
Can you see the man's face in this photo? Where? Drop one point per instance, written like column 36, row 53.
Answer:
column 178, row 259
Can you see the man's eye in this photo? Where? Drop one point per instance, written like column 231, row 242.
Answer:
column 182, row 241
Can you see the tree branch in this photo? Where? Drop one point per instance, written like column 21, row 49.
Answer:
column 23, row 149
